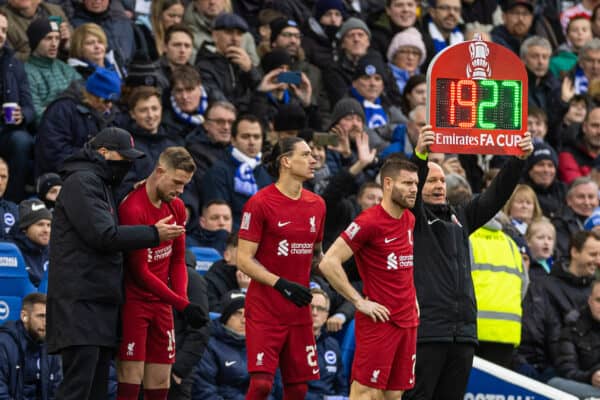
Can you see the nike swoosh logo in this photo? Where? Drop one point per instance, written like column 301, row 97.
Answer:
column 229, row 363
column 171, row 355
column 315, row 371
column 431, row 222
column 37, row 207
column 386, row 240
column 280, row 224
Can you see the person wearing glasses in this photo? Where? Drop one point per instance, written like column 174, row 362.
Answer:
column 74, row 117
column 441, row 28
column 406, row 53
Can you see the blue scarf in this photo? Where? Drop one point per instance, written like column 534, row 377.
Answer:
column 439, row 43
column 196, row 119
column 375, row 115
column 275, row 101
column 243, row 181
column 581, row 82
column 401, row 76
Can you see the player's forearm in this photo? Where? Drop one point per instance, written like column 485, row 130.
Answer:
column 333, row 271
column 256, row 271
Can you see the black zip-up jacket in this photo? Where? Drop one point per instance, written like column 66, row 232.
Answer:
column 441, row 256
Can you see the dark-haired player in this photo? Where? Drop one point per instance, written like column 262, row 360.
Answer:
column 381, row 240
column 281, row 228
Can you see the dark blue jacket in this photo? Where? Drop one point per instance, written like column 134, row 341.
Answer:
column 66, row 125
column 35, row 256
column 201, row 237
column 19, row 358
column 15, row 86
column 333, row 381
column 9, row 217
column 218, row 185
column 222, row 373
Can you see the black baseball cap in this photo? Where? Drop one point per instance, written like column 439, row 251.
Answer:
column 230, row 21
column 119, row 140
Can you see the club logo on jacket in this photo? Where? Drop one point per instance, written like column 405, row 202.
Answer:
column 130, row 349
column 375, row 375
column 259, row 358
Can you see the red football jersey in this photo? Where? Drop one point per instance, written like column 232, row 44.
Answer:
column 383, row 250
column 286, row 231
column 159, row 273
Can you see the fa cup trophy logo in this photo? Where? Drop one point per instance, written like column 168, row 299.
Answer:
column 479, row 67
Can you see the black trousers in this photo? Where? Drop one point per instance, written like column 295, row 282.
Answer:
column 442, row 371
column 498, row 353
column 85, row 373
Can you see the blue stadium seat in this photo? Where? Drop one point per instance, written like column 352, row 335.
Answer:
column 348, row 345
column 14, row 282
column 43, row 288
column 205, row 257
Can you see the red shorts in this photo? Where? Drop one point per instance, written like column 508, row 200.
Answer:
column 385, row 355
column 292, row 347
column 148, row 333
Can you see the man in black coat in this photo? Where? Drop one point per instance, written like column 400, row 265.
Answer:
column 447, row 333
column 86, row 264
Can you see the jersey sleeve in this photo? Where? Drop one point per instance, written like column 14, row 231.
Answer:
column 357, row 233
column 321, row 230
column 137, row 263
column 253, row 220
column 178, row 270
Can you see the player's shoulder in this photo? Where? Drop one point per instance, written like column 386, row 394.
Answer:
column 133, row 199
column 311, row 197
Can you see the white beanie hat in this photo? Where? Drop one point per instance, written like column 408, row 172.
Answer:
column 408, row 37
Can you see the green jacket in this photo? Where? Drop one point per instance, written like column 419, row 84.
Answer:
column 47, row 79
column 564, row 61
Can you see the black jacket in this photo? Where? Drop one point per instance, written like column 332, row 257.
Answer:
column 566, row 224
column 579, row 348
column 442, row 262
column 191, row 342
column 551, row 198
column 226, row 80
column 86, row 263
column 550, row 303
column 220, row 279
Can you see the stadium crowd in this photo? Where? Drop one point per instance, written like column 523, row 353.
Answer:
column 229, row 79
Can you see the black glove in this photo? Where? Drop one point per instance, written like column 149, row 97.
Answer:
column 195, row 315
column 297, row 294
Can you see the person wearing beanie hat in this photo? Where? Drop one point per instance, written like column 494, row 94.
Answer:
column 322, row 7
column 405, row 55
column 47, row 188
column 222, row 372
column 320, row 39
column 265, row 17
column 47, row 75
column 104, row 84
column 289, row 121
column 32, row 237
column 271, row 95
column 347, row 107
column 351, row 24
column 280, row 26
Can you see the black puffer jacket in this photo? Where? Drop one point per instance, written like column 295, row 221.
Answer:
column 86, row 263
column 442, row 262
column 579, row 348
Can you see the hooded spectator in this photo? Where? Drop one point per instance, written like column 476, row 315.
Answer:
column 47, row 189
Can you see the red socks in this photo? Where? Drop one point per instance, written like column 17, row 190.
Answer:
column 155, row 394
column 295, row 391
column 128, row 391
column 260, row 386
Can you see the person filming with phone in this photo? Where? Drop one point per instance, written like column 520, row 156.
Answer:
column 280, row 87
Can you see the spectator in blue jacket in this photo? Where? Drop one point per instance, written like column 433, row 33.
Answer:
column 32, row 237
column 16, row 144
column 9, row 212
column 75, row 117
column 222, row 372
column 333, row 381
column 240, row 175
column 27, row 371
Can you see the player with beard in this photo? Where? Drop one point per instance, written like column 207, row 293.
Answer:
column 381, row 241
column 282, row 227
column 155, row 281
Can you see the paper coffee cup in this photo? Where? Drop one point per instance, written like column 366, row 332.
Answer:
column 9, row 109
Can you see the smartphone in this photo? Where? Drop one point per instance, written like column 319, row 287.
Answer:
column 325, row 139
column 55, row 18
column 291, row 77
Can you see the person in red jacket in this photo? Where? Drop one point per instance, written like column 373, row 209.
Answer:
column 155, row 281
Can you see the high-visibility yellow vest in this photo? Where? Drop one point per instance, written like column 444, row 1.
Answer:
column 497, row 271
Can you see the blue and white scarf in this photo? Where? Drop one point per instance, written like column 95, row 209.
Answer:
column 198, row 118
column 401, row 75
column 243, row 181
column 284, row 100
column 439, row 43
column 375, row 115
column 581, row 81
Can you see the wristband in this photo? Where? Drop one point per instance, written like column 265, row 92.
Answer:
column 422, row 156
